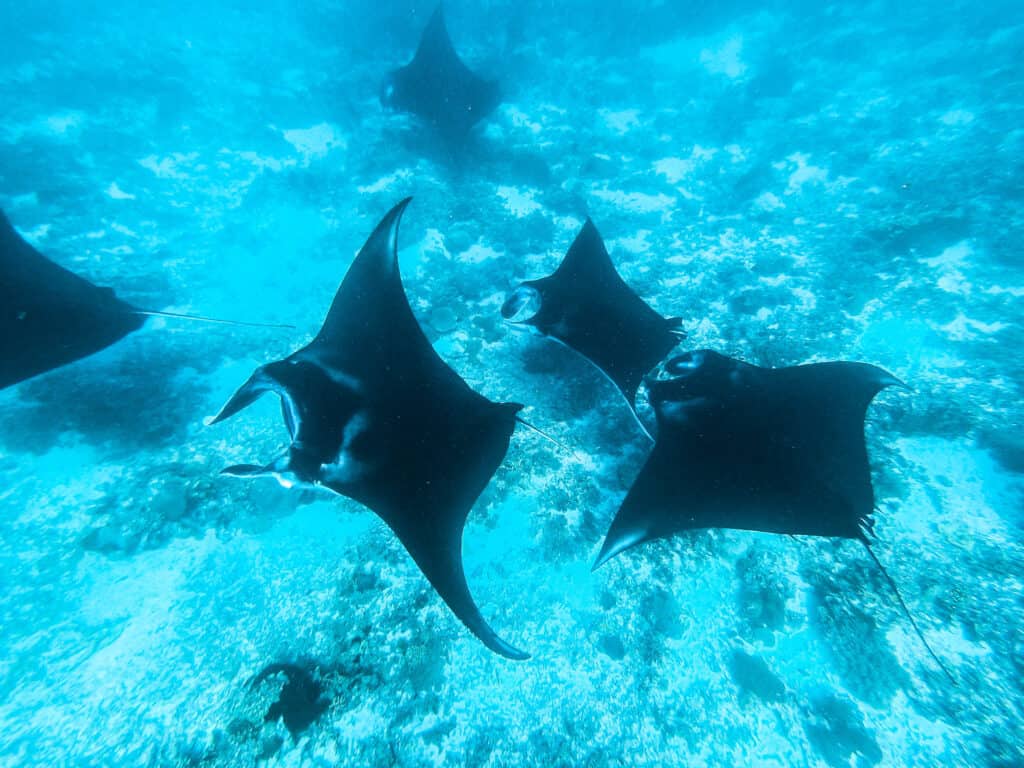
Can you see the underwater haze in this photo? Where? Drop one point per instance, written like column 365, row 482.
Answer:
column 797, row 181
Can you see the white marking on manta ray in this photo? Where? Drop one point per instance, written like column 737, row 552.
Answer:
column 346, row 467
column 345, row 380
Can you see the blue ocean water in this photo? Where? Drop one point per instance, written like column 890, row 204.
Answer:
column 797, row 181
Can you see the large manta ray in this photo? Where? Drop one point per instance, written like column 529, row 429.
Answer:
column 439, row 88
column 49, row 316
column 586, row 305
column 374, row 414
column 774, row 450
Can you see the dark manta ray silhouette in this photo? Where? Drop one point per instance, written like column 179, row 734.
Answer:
column 374, row 414
column 438, row 87
column 776, row 450
column 50, row 316
column 586, row 305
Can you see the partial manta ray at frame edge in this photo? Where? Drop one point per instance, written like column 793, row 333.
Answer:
column 586, row 305
column 778, row 450
column 50, row 317
column 376, row 415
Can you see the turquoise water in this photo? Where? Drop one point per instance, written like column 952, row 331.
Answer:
column 797, row 182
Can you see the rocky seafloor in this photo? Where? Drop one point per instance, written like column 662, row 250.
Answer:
column 796, row 182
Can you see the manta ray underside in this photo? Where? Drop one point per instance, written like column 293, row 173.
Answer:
column 374, row 414
column 50, row 316
column 775, row 450
column 439, row 88
column 586, row 306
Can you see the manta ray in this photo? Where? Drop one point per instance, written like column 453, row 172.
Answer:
column 588, row 307
column 439, row 88
column 374, row 414
column 49, row 316
column 774, row 450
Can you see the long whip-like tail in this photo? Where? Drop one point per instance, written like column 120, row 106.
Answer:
column 906, row 610
column 202, row 319
column 543, row 434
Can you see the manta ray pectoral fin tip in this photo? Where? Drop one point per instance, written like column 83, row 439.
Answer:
column 502, row 648
column 616, row 543
column 603, row 557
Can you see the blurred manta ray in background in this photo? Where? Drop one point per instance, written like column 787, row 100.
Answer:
column 374, row 414
column 586, row 305
column 438, row 87
column 774, row 450
column 49, row 316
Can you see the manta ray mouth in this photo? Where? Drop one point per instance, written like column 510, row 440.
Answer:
column 522, row 305
column 685, row 364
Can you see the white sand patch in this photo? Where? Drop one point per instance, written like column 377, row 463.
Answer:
column 520, row 119
column 636, row 202
column 261, row 162
column 123, row 230
column 766, row 202
column 433, row 242
column 957, row 117
column 621, row 122
column 636, row 244
column 736, row 153
column 948, row 264
column 519, row 202
column 998, row 290
column 955, row 282
column 804, row 173
column 385, row 182
column 964, row 328
column 114, row 192
column 478, row 253
column 726, row 59
column 315, row 142
column 169, row 167
column 63, row 124
column 808, row 301
column 570, row 223
column 675, row 169
column 954, row 256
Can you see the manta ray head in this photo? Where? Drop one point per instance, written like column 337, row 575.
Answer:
column 691, row 381
column 323, row 411
column 522, row 305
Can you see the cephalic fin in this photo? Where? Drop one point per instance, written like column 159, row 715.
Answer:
column 246, row 470
column 259, row 383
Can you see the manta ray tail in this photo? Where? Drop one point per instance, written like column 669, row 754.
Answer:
column 542, row 433
column 203, row 319
column 906, row 610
